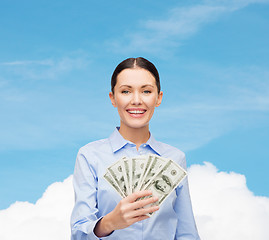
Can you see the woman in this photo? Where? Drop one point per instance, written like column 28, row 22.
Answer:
column 99, row 212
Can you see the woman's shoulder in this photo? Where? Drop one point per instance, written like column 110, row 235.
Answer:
column 101, row 144
column 169, row 151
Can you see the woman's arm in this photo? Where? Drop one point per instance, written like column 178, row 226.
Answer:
column 84, row 217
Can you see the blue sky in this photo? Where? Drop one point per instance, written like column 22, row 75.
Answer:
column 57, row 58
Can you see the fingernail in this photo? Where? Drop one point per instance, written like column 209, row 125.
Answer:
column 156, row 208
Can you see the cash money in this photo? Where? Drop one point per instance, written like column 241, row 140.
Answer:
column 116, row 171
column 156, row 165
column 145, row 172
column 127, row 171
column 165, row 181
column 138, row 167
column 112, row 182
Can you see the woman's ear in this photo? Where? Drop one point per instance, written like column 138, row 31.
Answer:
column 159, row 100
column 112, row 99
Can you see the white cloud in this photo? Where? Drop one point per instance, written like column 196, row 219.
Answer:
column 233, row 4
column 154, row 36
column 46, row 68
column 41, row 102
column 47, row 219
column 184, row 21
column 47, row 62
column 52, row 131
column 223, row 205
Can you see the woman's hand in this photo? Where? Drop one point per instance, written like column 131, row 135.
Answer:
column 127, row 212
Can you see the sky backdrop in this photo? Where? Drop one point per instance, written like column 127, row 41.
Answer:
column 57, row 58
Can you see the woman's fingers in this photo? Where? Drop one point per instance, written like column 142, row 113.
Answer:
column 137, row 207
column 142, row 203
column 134, row 196
column 133, row 209
column 141, row 207
column 143, row 211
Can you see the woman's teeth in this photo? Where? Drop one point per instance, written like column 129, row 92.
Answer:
column 136, row 112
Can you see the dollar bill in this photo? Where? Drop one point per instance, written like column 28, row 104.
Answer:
column 138, row 165
column 165, row 181
column 116, row 171
column 146, row 169
column 113, row 183
column 157, row 163
column 126, row 169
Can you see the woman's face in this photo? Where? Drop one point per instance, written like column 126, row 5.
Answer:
column 135, row 96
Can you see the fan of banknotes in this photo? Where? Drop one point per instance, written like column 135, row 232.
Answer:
column 145, row 172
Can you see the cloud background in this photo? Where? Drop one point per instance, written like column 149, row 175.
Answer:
column 56, row 61
column 223, row 205
column 48, row 218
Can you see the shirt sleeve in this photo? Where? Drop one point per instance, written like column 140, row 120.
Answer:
column 84, row 215
column 186, row 227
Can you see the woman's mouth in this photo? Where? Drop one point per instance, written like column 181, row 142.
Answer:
column 136, row 112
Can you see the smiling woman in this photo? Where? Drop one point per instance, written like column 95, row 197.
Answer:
column 99, row 212
column 135, row 96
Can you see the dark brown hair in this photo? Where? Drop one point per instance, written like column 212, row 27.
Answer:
column 135, row 63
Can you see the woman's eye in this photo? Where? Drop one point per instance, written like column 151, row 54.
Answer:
column 125, row 92
column 147, row 91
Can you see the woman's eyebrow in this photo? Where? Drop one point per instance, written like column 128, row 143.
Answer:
column 143, row 86
column 147, row 85
column 128, row 86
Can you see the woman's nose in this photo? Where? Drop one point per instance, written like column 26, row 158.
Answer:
column 136, row 99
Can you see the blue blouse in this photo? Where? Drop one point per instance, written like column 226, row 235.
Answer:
column 94, row 197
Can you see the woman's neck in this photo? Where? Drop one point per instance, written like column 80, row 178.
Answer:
column 137, row 136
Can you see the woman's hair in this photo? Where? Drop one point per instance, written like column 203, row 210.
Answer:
column 135, row 63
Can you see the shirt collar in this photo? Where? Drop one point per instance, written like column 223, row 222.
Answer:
column 117, row 142
column 155, row 145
